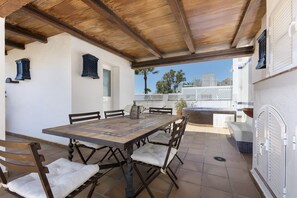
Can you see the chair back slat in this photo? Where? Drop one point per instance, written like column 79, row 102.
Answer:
column 18, row 167
column 18, row 156
column 24, row 157
column 15, row 145
column 114, row 113
column 160, row 110
column 80, row 117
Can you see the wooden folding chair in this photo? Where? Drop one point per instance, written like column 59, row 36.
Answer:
column 51, row 181
column 158, row 157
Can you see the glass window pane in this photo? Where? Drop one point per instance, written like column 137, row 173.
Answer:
column 106, row 82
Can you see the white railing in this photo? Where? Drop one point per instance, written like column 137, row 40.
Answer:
column 217, row 97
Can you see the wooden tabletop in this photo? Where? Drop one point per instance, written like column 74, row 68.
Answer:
column 117, row 132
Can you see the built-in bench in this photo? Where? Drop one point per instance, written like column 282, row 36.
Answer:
column 243, row 135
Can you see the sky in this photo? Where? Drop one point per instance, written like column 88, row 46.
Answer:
column 221, row 68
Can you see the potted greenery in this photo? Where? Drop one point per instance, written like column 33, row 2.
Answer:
column 179, row 105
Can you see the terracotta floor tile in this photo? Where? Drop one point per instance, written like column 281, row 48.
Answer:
column 186, row 190
column 196, row 158
column 216, row 182
column 247, row 189
column 189, row 176
column 193, row 166
column 195, row 151
column 240, row 175
column 215, row 170
column 213, row 193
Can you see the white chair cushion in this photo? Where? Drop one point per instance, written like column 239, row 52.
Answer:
column 153, row 154
column 64, row 176
column 161, row 137
column 89, row 144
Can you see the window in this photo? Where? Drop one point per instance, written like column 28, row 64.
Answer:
column 282, row 37
column 106, row 83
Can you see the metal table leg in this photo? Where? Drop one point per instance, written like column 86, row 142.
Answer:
column 129, row 173
column 70, row 150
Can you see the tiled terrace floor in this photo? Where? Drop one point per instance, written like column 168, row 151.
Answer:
column 200, row 176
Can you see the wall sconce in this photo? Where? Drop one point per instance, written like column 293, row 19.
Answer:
column 23, row 69
column 90, row 68
column 9, row 80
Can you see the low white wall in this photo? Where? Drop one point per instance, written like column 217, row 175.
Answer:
column 2, row 80
column 45, row 100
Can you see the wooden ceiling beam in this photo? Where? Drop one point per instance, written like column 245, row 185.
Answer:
column 179, row 14
column 237, row 37
column 13, row 44
column 99, row 7
column 25, row 33
column 46, row 18
column 207, row 56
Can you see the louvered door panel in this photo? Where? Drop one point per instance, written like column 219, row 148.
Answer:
column 276, row 152
column 281, row 45
column 260, row 138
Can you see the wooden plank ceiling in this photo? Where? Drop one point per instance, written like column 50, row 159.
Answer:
column 145, row 32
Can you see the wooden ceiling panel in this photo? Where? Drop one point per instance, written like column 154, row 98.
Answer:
column 152, row 19
column 21, row 19
column 9, row 6
column 92, row 24
column 145, row 29
column 254, row 20
column 213, row 22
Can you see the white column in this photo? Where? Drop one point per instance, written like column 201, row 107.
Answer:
column 2, row 78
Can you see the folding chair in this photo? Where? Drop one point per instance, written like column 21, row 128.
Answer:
column 158, row 157
column 164, row 110
column 61, row 178
column 164, row 138
column 159, row 136
column 113, row 114
column 81, row 117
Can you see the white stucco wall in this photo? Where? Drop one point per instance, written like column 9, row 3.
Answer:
column 280, row 92
column 57, row 88
column 2, row 80
column 87, row 93
column 45, row 100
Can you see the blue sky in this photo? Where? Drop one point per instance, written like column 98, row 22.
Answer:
column 221, row 68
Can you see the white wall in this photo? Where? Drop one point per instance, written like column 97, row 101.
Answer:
column 2, row 80
column 87, row 93
column 57, row 88
column 45, row 100
column 242, row 85
column 280, row 92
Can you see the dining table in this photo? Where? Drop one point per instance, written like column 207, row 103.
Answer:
column 119, row 132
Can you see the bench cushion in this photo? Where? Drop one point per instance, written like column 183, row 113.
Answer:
column 64, row 176
column 241, row 131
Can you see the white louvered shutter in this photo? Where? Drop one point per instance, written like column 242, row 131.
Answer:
column 276, row 152
column 260, row 142
column 281, row 43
